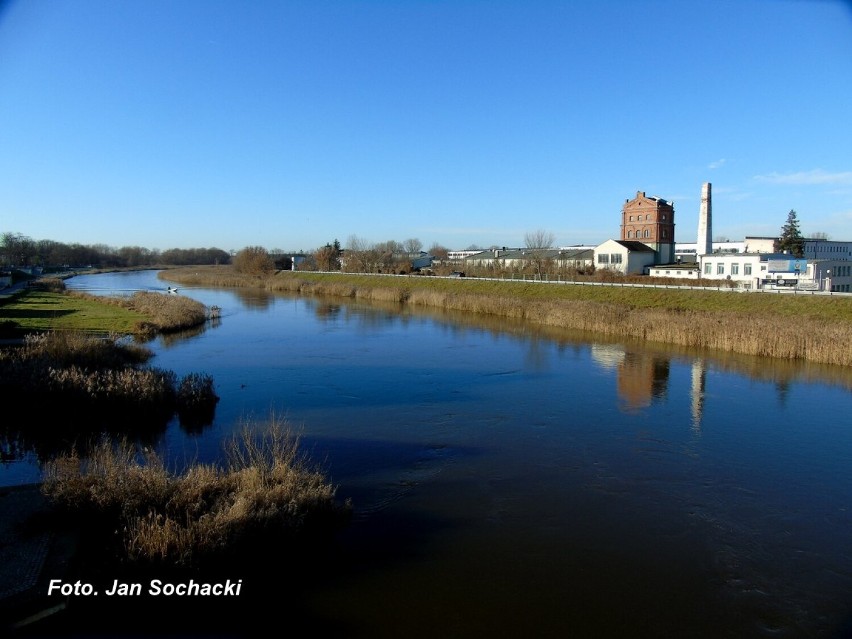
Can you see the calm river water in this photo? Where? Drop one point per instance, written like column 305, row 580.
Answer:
column 513, row 482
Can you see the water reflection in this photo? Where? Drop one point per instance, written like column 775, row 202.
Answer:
column 697, row 391
column 629, row 489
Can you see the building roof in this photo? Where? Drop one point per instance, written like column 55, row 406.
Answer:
column 633, row 245
column 528, row 253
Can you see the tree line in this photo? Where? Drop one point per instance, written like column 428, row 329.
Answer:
column 20, row 251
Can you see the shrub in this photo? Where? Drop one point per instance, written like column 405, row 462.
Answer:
column 253, row 260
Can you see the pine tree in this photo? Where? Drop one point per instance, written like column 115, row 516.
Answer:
column 791, row 239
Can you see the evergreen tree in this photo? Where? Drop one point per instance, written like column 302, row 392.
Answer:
column 791, row 239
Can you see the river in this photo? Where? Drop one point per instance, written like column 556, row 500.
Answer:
column 512, row 481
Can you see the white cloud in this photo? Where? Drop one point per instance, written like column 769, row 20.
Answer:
column 717, row 164
column 816, row 176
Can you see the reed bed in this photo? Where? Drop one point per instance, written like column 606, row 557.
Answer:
column 801, row 327
column 265, row 491
column 71, row 378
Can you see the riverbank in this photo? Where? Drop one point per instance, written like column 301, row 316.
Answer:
column 41, row 309
column 810, row 328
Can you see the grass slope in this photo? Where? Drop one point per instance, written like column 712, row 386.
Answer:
column 39, row 311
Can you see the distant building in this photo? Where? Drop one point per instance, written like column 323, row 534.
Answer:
column 759, row 244
column 460, row 255
column 650, row 220
column 519, row 257
column 625, row 256
column 688, row 251
column 827, row 250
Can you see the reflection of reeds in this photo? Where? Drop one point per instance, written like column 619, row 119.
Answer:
column 812, row 328
column 266, row 488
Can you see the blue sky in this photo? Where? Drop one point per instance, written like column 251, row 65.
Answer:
column 181, row 123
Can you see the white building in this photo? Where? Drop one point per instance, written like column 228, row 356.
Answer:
column 688, row 251
column 778, row 271
column 827, row 250
column 624, row 256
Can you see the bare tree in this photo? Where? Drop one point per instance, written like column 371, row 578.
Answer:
column 358, row 255
column 413, row 246
column 438, row 252
column 537, row 243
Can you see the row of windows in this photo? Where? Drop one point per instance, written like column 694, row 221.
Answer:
column 829, row 249
column 840, row 288
column 841, row 271
column 720, row 268
column 646, row 233
column 647, row 217
column 609, row 258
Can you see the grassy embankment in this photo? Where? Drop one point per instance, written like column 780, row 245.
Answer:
column 51, row 308
column 804, row 327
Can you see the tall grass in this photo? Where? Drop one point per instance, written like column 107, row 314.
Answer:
column 266, row 489
column 68, row 380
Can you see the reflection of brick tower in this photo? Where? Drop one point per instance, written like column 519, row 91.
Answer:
column 650, row 220
column 641, row 378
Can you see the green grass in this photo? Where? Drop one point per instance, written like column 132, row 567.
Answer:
column 673, row 299
column 41, row 311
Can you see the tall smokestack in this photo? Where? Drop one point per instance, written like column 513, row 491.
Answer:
column 705, row 222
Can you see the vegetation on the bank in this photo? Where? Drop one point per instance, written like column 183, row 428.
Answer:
column 814, row 328
column 18, row 250
column 48, row 307
column 264, row 490
column 253, row 260
column 69, row 380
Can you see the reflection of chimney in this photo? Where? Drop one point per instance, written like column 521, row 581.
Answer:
column 699, row 381
column 705, row 222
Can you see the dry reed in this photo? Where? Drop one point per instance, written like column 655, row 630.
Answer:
column 266, row 489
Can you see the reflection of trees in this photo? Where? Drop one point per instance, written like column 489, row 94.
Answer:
column 58, row 431
column 254, row 298
column 59, row 428
column 327, row 311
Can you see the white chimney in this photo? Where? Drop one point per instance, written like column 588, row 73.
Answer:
column 705, row 222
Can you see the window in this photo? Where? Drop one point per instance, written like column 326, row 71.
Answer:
column 603, row 258
column 647, row 233
column 664, row 217
column 746, row 269
column 631, row 218
column 735, row 269
column 647, row 217
column 720, row 268
column 615, row 258
column 665, row 234
column 707, row 268
column 629, row 235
